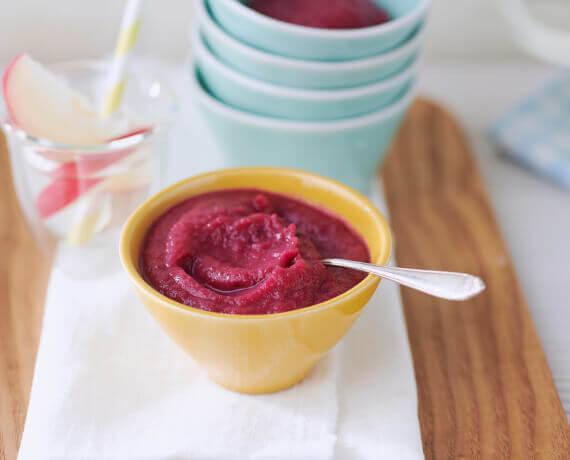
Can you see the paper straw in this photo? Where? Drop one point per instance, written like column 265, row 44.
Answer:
column 125, row 43
column 88, row 221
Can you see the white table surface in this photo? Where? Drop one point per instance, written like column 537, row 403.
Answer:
column 533, row 214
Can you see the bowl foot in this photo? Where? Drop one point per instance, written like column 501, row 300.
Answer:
column 264, row 387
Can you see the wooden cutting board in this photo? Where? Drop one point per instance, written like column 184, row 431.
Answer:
column 24, row 272
column 484, row 387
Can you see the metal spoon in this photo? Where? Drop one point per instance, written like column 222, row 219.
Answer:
column 446, row 285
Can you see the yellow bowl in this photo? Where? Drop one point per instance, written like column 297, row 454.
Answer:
column 259, row 353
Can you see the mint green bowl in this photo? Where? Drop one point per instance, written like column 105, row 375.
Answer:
column 348, row 150
column 250, row 95
column 298, row 73
column 285, row 39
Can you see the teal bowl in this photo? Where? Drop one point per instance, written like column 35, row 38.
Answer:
column 298, row 73
column 348, row 150
column 285, row 39
column 250, row 95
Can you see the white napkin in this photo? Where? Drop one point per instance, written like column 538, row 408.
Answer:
column 109, row 384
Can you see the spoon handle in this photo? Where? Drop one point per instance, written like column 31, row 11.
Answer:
column 446, row 285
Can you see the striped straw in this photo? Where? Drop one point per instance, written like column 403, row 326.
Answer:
column 91, row 215
column 125, row 43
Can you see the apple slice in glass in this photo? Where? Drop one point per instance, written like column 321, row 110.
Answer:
column 44, row 106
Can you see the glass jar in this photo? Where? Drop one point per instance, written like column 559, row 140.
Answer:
column 79, row 196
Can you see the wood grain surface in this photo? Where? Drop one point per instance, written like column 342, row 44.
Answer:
column 485, row 390
column 24, row 272
column 484, row 387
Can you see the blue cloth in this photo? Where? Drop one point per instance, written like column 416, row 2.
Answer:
column 536, row 132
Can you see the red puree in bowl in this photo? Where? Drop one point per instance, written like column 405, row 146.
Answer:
column 248, row 251
column 325, row 14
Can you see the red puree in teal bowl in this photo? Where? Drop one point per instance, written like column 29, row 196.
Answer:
column 325, row 14
column 247, row 251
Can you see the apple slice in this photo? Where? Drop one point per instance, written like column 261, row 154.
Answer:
column 87, row 164
column 72, row 180
column 61, row 192
column 134, row 132
column 44, row 106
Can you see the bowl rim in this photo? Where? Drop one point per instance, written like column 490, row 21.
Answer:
column 272, row 89
column 207, row 23
column 300, row 126
column 411, row 16
column 136, row 278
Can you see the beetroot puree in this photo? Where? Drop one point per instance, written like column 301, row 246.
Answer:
column 249, row 252
column 325, row 14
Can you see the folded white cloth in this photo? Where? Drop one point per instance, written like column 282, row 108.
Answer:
column 109, row 384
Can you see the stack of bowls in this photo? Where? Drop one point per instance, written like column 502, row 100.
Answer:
column 328, row 101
